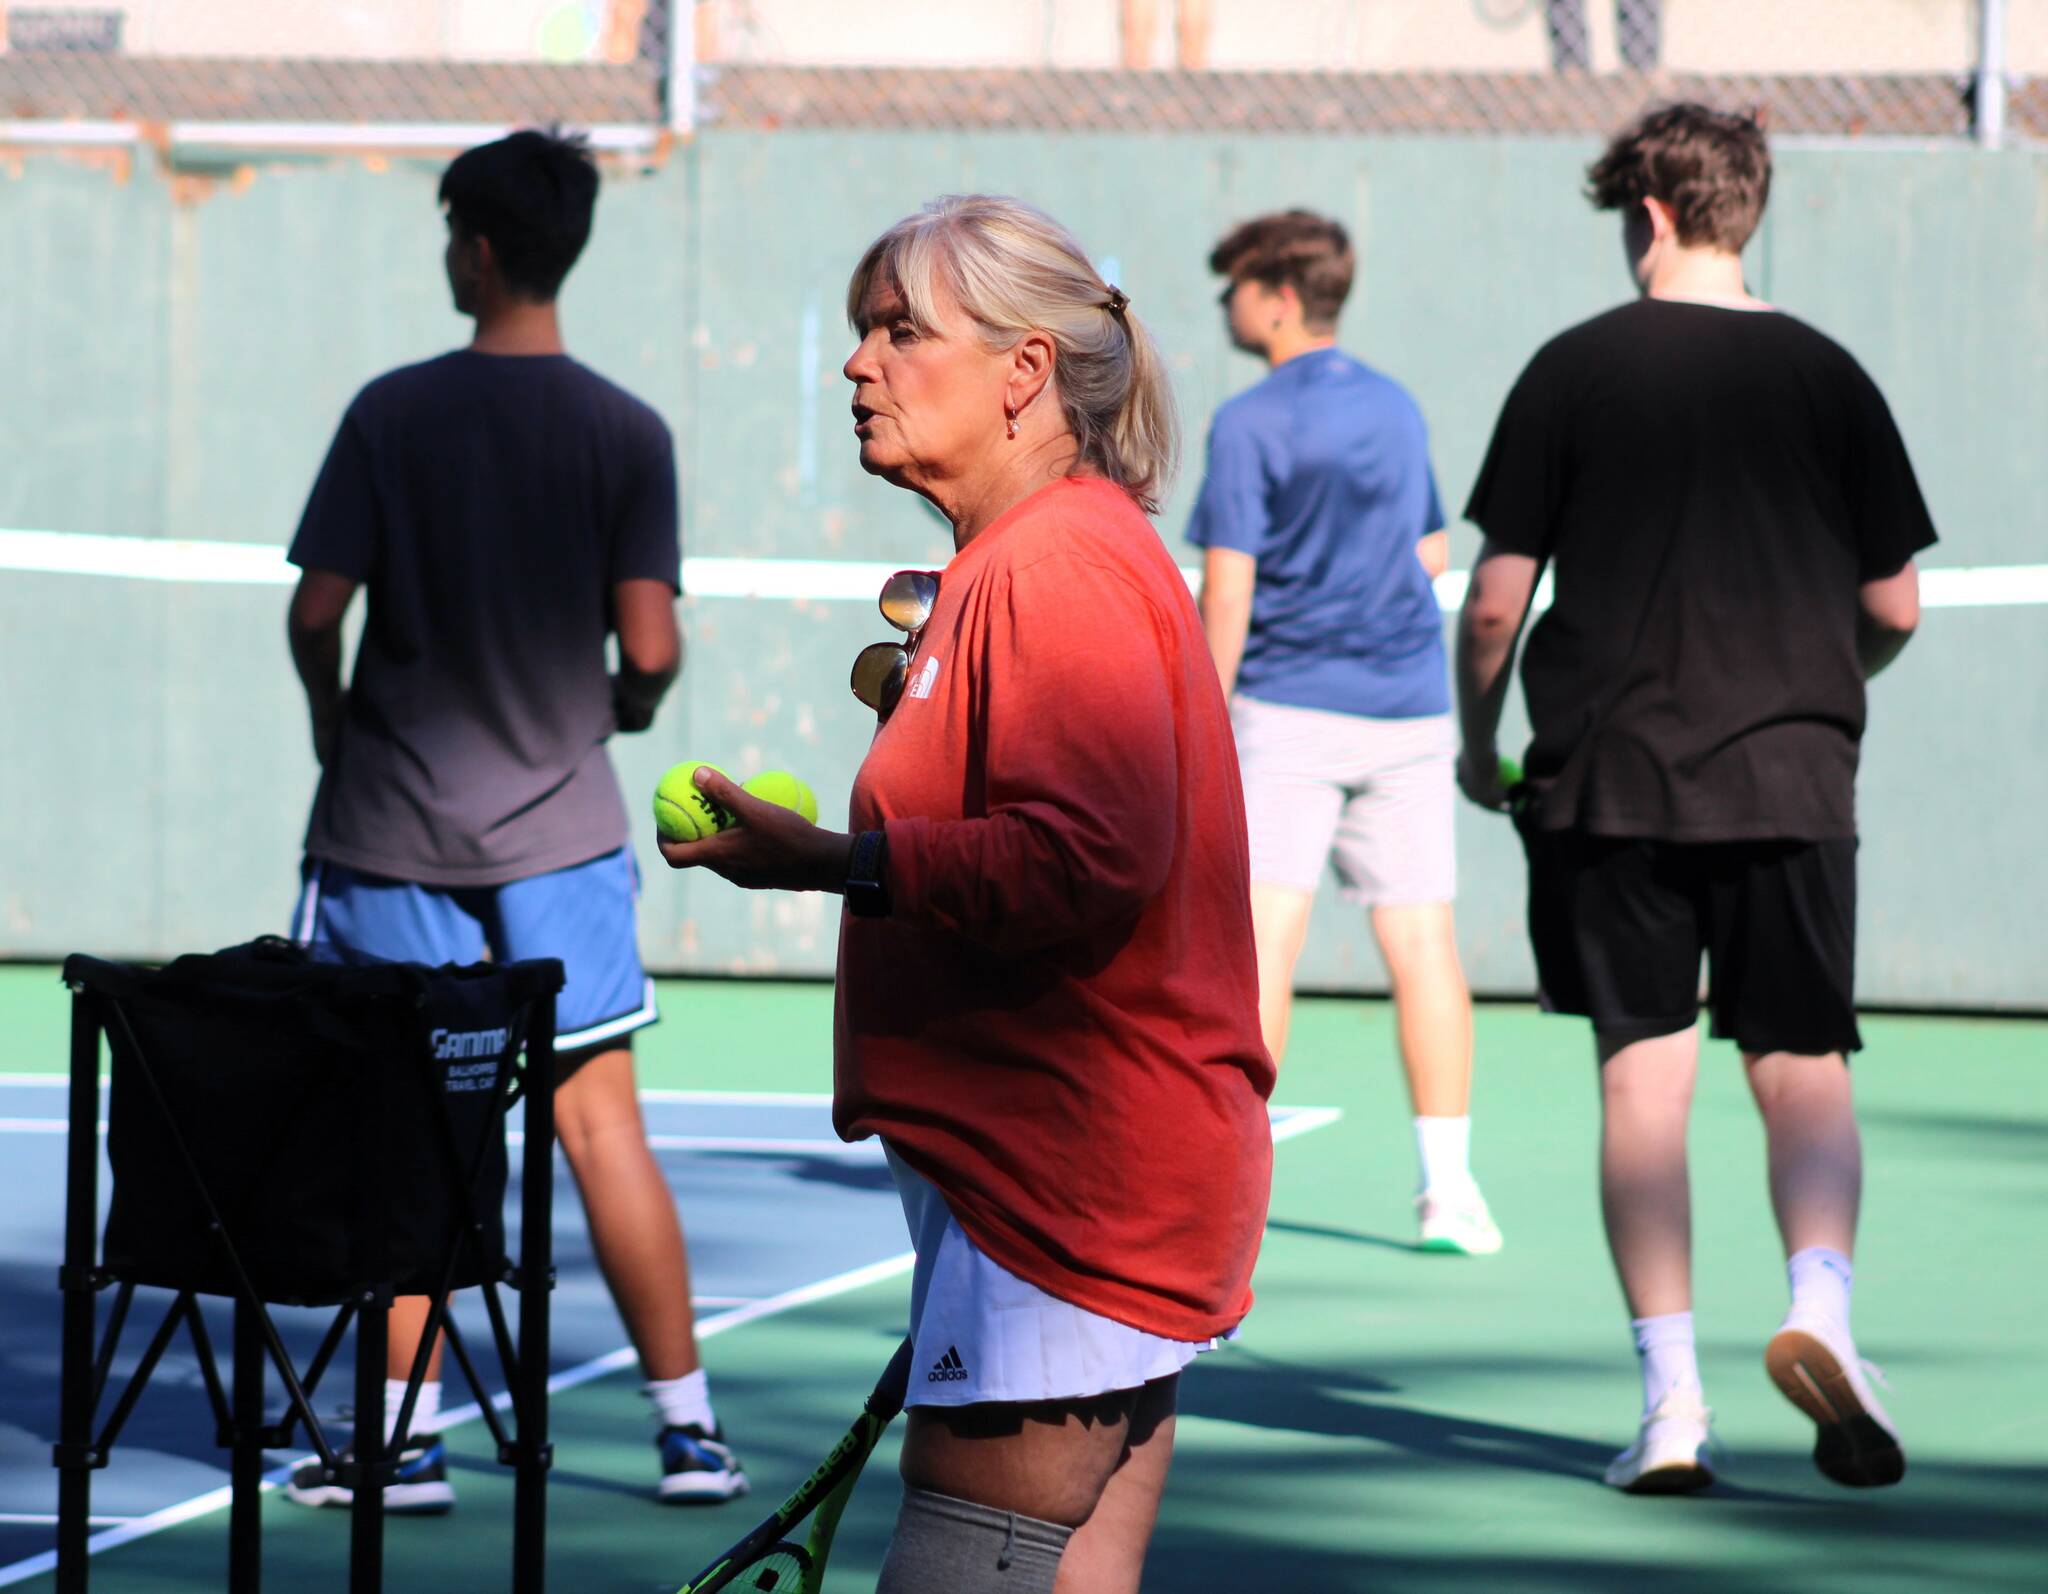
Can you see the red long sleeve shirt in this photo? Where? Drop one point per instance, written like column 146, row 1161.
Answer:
column 1058, row 1024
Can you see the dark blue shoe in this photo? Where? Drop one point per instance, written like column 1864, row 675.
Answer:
column 420, row 1489
column 698, row 1468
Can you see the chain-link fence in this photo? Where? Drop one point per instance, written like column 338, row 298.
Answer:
column 289, row 71
column 284, row 71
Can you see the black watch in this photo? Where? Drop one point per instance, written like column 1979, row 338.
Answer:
column 867, row 871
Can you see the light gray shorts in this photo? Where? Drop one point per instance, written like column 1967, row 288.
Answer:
column 1375, row 797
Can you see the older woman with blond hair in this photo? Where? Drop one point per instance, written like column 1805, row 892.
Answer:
column 1048, row 995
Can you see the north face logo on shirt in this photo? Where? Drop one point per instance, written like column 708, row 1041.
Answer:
column 921, row 683
column 948, row 1369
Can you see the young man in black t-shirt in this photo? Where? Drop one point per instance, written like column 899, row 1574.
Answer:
column 1730, row 519
column 507, row 510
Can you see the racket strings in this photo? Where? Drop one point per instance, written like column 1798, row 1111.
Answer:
column 781, row 1569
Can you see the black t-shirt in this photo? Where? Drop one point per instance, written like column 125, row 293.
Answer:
column 1711, row 487
column 489, row 503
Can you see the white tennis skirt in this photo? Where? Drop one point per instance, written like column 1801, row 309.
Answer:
column 978, row 1332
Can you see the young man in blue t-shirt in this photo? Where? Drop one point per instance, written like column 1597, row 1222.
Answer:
column 1322, row 532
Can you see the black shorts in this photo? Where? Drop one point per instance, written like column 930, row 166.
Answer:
column 1618, row 925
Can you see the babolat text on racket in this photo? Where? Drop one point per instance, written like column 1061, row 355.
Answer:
column 767, row 1560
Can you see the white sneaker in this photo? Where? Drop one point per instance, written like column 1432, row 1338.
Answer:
column 1670, row 1455
column 1814, row 1364
column 1457, row 1225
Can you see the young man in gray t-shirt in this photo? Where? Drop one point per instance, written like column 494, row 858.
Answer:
column 506, row 510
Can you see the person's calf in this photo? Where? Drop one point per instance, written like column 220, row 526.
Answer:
column 964, row 1548
column 1645, row 1198
column 1815, row 1150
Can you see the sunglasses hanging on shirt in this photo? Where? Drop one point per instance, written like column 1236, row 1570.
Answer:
column 881, row 669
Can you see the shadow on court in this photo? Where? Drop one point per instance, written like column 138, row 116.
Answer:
column 1935, row 1133
column 1327, row 1401
column 1323, row 1231
column 1791, row 1540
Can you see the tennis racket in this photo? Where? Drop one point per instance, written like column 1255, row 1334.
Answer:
column 767, row 1559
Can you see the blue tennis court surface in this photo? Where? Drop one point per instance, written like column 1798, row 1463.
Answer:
column 779, row 1212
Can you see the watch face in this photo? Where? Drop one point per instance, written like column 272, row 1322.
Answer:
column 865, row 893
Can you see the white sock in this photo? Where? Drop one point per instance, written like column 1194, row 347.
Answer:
column 681, row 1402
column 1665, row 1346
column 1821, row 1277
column 426, row 1411
column 1444, row 1146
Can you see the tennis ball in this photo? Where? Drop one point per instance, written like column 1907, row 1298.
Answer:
column 780, row 787
column 683, row 813
column 1510, row 773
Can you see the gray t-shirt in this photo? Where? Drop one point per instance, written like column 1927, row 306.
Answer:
column 489, row 504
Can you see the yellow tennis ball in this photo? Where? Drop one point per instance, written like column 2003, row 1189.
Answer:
column 683, row 813
column 780, row 787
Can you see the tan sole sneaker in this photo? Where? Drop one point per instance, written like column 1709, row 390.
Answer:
column 1855, row 1443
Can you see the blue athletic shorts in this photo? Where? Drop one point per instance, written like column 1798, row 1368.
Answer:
column 582, row 915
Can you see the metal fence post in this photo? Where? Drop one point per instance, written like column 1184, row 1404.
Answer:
column 1990, row 97
column 679, row 86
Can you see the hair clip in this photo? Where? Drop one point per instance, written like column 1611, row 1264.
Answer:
column 1118, row 302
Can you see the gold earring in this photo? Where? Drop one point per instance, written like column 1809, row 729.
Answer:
column 1012, row 417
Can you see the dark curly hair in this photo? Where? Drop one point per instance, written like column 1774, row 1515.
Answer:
column 1711, row 167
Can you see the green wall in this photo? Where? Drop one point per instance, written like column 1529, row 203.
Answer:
column 177, row 360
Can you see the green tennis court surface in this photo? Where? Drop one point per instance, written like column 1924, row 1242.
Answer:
column 1388, row 1421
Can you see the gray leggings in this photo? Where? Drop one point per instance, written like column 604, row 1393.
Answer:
column 948, row 1546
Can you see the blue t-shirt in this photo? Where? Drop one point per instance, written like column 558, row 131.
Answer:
column 1321, row 473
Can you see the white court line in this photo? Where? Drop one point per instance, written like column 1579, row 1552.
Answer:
column 220, row 563
column 53, row 1081
column 759, row 1098
column 1300, row 1121
column 746, row 1145
column 743, row 1145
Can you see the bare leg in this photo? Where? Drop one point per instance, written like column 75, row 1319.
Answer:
column 1107, row 1554
column 1646, row 1098
column 634, row 1228
column 1097, row 1465
column 633, row 1224
column 1816, row 1155
column 1279, row 926
column 1048, row 1459
column 408, row 1320
column 1432, row 1006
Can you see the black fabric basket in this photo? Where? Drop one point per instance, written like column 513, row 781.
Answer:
column 334, row 1113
